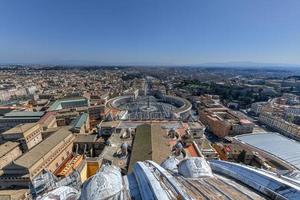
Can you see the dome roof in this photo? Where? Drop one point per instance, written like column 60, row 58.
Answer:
column 194, row 167
column 170, row 164
column 179, row 145
column 63, row 192
column 124, row 146
column 105, row 184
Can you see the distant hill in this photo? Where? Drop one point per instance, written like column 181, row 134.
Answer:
column 248, row 64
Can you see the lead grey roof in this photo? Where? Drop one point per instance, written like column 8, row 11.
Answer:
column 269, row 184
column 23, row 114
column 150, row 181
column 80, row 121
column 275, row 144
column 58, row 103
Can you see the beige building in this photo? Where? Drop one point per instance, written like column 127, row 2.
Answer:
column 20, row 194
column 223, row 122
column 28, row 135
column 196, row 129
column 9, row 151
column 96, row 112
column 65, row 118
column 48, row 121
column 260, row 107
column 289, row 129
column 50, row 154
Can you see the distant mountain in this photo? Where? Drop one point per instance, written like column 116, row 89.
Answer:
column 242, row 64
column 87, row 63
column 247, row 64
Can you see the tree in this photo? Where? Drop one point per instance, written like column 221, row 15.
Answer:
column 241, row 157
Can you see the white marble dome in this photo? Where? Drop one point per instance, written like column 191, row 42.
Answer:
column 105, row 184
column 194, row 167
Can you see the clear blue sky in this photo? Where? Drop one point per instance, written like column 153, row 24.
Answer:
column 150, row 31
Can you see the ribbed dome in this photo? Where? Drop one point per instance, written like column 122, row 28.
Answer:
column 194, row 167
column 170, row 164
column 106, row 184
column 63, row 192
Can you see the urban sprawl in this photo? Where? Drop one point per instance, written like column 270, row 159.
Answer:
column 122, row 132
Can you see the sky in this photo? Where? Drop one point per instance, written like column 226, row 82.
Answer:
column 179, row 32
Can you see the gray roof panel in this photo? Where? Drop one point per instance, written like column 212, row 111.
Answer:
column 278, row 145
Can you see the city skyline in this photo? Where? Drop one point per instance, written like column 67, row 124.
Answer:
column 149, row 99
column 150, row 32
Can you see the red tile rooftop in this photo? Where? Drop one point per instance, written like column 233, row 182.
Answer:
column 245, row 121
column 7, row 107
column 192, row 151
column 46, row 116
